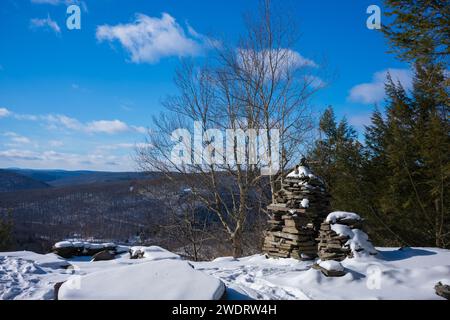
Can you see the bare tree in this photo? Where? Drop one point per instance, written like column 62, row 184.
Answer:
column 256, row 86
column 187, row 223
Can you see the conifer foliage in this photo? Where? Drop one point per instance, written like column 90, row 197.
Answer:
column 399, row 179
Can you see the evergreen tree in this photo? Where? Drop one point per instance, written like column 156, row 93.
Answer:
column 420, row 135
column 406, row 167
column 431, row 101
column 399, row 200
column 336, row 157
column 419, row 29
column 373, row 186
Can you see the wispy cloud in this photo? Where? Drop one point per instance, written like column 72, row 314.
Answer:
column 16, row 139
column 139, row 129
column 286, row 61
column 52, row 2
column 60, row 2
column 98, row 126
column 149, row 39
column 60, row 121
column 50, row 159
column 46, row 23
column 117, row 146
column 14, row 154
column 373, row 92
column 4, row 112
column 106, row 126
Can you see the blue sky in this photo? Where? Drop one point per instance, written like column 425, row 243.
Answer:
column 81, row 99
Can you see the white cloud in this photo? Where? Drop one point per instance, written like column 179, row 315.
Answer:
column 50, row 159
column 16, row 138
column 296, row 60
column 284, row 60
column 98, row 126
column 314, row 81
column 64, row 121
column 373, row 92
column 148, row 39
column 105, row 126
column 60, row 121
column 139, row 129
column 117, row 146
column 14, row 154
column 29, row 117
column 4, row 112
column 52, row 2
column 59, row 2
column 46, row 23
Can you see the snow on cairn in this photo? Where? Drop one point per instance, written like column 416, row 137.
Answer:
column 305, row 203
column 302, row 173
column 336, row 216
column 343, row 223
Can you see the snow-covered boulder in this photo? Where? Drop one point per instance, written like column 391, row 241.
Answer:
column 331, row 265
column 151, row 253
column 330, row 268
column 166, row 279
column 68, row 249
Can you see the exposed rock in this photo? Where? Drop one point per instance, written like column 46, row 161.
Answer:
column 68, row 249
column 442, row 290
column 66, row 252
column 136, row 254
column 329, row 272
column 104, row 255
column 56, row 288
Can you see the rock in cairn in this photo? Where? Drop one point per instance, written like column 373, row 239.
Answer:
column 300, row 205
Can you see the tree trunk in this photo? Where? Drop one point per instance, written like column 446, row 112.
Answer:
column 236, row 242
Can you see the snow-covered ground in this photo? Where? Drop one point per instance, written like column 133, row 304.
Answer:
column 393, row 274
column 410, row 273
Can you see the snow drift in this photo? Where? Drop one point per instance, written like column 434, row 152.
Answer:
column 157, row 280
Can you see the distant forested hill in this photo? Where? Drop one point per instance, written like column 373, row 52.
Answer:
column 62, row 178
column 12, row 181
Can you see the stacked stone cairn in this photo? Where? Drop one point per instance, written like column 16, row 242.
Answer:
column 331, row 245
column 335, row 246
column 300, row 206
column 341, row 237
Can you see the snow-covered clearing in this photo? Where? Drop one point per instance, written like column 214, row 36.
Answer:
column 410, row 273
